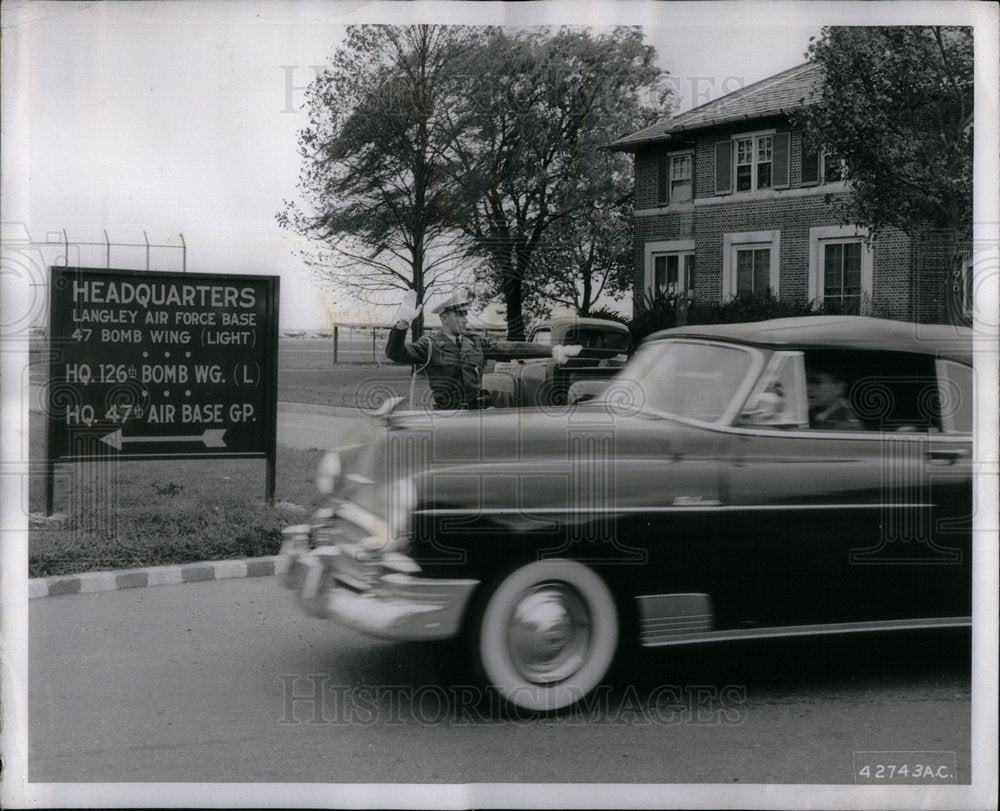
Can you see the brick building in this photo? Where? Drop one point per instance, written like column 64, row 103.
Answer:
column 728, row 199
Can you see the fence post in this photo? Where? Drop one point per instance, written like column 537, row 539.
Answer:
column 374, row 359
column 336, row 329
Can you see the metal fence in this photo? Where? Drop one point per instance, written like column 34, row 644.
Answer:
column 358, row 343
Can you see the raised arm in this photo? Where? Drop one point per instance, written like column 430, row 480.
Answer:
column 507, row 350
column 396, row 347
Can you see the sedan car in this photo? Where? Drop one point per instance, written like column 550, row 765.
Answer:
column 706, row 495
column 605, row 346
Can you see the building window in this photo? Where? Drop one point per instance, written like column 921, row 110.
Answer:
column 750, row 263
column 680, row 178
column 673, row 179
column 833, row 168
column 752, row 162
column 821, row 166
column 669, row 268
column 673, row 273
column 842, row 276
column 961, row 284
column 754, row 156
column 809, row 170
column 840, row 268
column 753, row 270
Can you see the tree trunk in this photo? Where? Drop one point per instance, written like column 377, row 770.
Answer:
column 588, row 285
column 417, row 325
column 513, row 274
column 512, row 301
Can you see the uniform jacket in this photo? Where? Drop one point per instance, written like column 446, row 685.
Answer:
column 456, row 375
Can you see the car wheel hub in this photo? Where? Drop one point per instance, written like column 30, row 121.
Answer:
column 549, row 633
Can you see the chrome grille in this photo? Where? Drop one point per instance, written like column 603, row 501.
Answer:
column 337, row 531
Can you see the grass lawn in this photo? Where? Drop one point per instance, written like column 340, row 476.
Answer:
column 353, row 386
column 119, row 515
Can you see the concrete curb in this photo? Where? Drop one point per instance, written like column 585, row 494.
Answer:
column 92, row 582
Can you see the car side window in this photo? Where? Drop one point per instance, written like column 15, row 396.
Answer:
column 779, row 399
column 827, row 388
column 955, row 396
column 872, row 391
column 618, row 341
column 542, row 335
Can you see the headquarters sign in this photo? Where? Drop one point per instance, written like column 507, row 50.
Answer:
column 161, row 365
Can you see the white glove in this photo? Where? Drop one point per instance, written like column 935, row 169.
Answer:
column 564, row 353
column 409, row 309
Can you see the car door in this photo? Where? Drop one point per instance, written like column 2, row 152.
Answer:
column 839, row 525
column 921, row 559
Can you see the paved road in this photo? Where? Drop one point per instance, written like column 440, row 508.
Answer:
column 193, row 683
column 307, row 427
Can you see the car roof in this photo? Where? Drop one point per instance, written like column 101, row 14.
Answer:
column 839, row 332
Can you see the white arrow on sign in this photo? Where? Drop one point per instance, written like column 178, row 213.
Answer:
column 212, row 437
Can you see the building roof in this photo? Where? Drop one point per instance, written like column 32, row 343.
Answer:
column 840, row 332
column 775, row 95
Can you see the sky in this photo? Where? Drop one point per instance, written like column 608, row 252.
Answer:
column 148, row 120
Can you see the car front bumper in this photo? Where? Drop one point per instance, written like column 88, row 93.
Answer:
column 386, row 604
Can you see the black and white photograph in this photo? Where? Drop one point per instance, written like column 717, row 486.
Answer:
column 505, row 404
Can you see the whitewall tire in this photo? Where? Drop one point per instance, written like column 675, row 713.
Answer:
column 548, row 634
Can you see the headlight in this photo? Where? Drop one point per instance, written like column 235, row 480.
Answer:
column 400, row 499
column 327, row 473
column 300, row 533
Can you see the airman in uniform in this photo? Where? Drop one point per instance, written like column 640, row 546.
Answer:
column 453, row 358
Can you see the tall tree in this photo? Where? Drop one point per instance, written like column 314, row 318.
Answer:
column 895, row 104
column 375, row 177
column 584, row 257
column 542, row 106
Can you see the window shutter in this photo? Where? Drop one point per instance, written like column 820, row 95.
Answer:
column 723, row 167
column 810, row 167
column 780, row 158
column 661, row 181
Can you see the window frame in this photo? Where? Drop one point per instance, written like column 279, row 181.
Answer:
column 962, row 284
column 750, row 240
column 664, row 177
column 948, row 372
column 842, row 242
column 541, row 335
column 825, row 159
column 754, row 138
column 819, row 238
column 753, row 251
column 795, row 408
column 681, row 248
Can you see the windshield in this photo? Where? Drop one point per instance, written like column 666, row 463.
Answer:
column 597, row 339
column 694, row 379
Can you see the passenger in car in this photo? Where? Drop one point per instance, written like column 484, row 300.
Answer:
column 829, row 409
